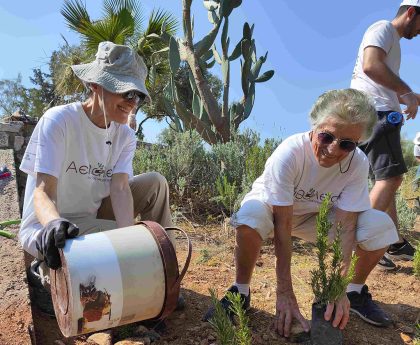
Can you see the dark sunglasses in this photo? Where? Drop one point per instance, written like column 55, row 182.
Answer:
column 326, row 138
column 138, row 98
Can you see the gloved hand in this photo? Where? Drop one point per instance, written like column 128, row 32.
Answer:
column 52, row 237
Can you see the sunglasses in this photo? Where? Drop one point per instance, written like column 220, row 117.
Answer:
column 345, row 144
column 138, row 98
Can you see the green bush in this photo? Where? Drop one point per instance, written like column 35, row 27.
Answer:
column 184, row 161
column 205, row 180
column 227, row 193
column 408, row 153
column 406, row 215
column 416, row 262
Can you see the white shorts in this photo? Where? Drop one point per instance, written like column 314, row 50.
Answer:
column 374, row 229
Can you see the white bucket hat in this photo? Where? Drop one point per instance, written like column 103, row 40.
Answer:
column 410, row 3
column 117, row 68
column 416, row 140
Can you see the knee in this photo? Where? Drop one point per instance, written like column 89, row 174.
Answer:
column 395, row 181
column 377, row 230
column 248, row 234
column 157, row 180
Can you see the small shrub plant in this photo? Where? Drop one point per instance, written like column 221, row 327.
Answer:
column 328, row 282
column 227, row 333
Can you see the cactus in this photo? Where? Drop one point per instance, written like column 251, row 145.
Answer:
column 215, row 123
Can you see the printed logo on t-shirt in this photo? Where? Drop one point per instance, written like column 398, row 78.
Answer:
column 312, row 195
column 95, row 173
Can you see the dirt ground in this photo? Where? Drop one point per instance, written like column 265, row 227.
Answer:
column 212, row 266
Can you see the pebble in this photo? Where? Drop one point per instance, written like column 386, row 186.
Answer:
column 101, row 338
column 134, row 341
column 405, row 338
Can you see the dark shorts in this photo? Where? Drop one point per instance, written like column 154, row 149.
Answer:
column 384, row 150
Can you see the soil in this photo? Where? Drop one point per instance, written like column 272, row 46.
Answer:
column 212, row 266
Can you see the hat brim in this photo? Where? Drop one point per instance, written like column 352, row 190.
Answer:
column 115, row 83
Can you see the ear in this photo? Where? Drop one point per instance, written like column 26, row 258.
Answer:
column 94, row 87
column 411, row 12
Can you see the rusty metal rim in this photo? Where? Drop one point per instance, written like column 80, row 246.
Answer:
column 63, row 317
column 170, row 267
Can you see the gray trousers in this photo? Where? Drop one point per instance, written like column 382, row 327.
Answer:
column 150, row 193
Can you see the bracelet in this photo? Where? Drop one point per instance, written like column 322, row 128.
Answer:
column 407, row 94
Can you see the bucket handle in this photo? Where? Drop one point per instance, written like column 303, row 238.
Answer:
column 187, row 261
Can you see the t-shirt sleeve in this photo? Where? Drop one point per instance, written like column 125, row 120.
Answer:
column 279, row 176
column 124, row 163
column 379, row 36
column 46, row 149
column 355, row 195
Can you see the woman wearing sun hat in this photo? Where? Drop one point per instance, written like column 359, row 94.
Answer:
column 79, row 160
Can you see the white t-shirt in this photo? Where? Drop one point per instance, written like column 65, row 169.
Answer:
column 381, row 34
column 67, row 145
column 293, row 176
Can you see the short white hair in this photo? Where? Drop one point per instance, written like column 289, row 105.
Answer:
column 348, row 105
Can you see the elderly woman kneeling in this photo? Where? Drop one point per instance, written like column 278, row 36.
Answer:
column 285, row 200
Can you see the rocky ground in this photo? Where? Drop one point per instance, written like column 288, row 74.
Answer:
column 211, row 266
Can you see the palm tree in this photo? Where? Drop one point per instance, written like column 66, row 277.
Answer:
column 122, row 23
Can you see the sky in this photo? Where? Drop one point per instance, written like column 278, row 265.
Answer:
column 312, row 46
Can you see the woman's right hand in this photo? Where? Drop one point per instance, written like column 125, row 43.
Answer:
column 53, row 236
column 287, row 309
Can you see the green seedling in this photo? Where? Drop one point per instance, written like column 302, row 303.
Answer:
column 5, row 224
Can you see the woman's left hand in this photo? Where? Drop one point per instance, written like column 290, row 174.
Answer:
column 342, row 312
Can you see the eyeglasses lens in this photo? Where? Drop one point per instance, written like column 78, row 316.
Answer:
column 327, row 138
column 347, row 145
column 132, row 95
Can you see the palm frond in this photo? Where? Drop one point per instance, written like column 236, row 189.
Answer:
column 76, row 15
column 113, row 7
column 157, row 18
column 109, row 29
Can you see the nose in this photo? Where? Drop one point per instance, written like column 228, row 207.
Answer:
column 334, row 147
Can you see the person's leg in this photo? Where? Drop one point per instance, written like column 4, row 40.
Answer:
column 253, row 223
column 150, row 199
column 382, row 197
column 150, row 193
column 375, row 231
column 387, row 168
column 247, row 250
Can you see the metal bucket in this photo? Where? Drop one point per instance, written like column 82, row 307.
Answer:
column 116, row 277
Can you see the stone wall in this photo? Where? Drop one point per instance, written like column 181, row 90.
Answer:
column 15, row 135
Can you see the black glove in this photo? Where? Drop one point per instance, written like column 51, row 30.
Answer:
column 52, row 237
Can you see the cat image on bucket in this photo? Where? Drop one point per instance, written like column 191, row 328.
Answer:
column 96, row 304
